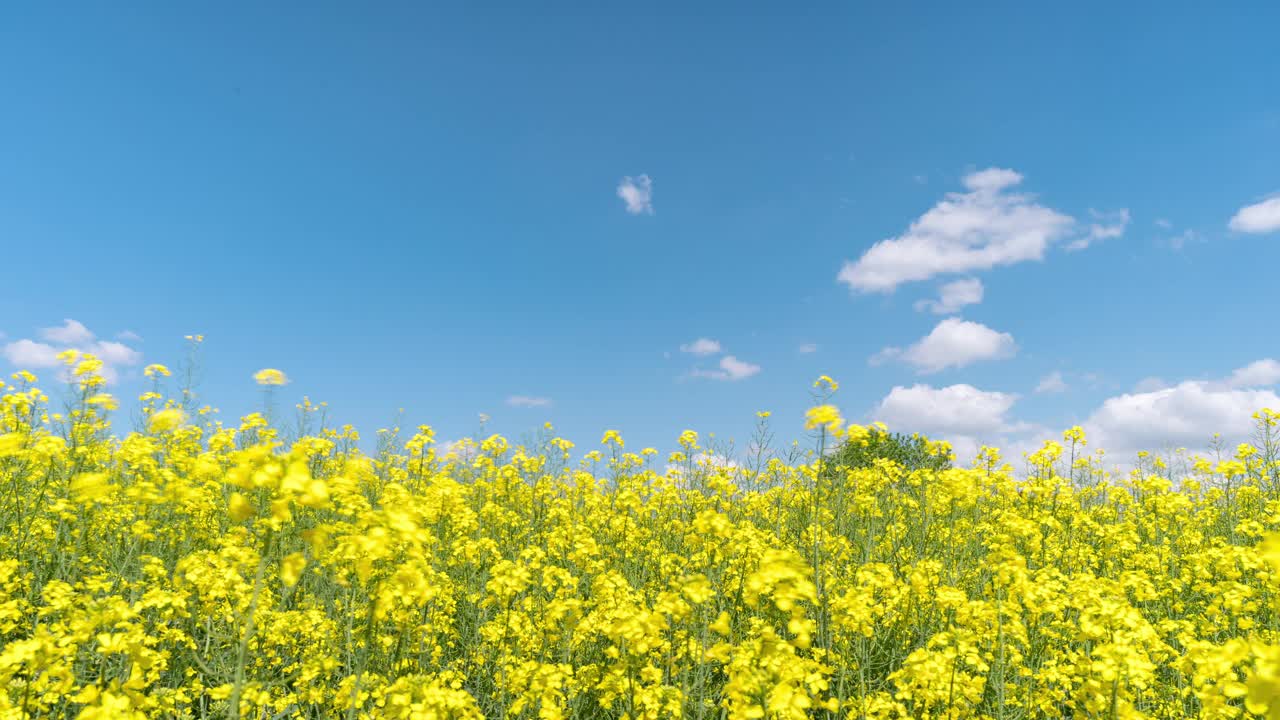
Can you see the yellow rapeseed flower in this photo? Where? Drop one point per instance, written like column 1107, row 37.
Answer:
column 824, row 382
column 156, row 370
column 166, row 420
column 501, row 580
column 239, row 507
column 270, row 376
column 104, row 401
column 11, row 443
column 291, row 568
column 825, row 417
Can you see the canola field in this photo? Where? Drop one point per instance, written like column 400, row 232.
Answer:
column 163, row 565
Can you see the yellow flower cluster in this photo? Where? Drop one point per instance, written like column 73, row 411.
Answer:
column 194, row 570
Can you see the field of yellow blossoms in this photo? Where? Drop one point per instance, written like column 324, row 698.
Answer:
column 168, row 566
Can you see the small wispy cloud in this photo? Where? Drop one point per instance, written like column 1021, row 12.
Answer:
column 702, row 347
column 808, row 348
column 731, row 369
column 1105, row 226
column 1052, row 383
column 884, row 356
column 637, row 193
column 528, row 401
column 953, row 296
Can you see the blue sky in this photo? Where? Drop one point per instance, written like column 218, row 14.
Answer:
column 418, row 206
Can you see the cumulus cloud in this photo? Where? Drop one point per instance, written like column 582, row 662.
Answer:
column 731, row 368
column 953, row 296
column 528, row 401
column 30, row 354
column 69, row 334
column 1187, row 414
column 1105, row 226
column 702, row 347
column 953, row 410
column 1260, row 373
column 1155, row 416
column 962, row 415
column 807, row 348
column 637, row 193
column 953, row 343
column 1262, row 217
column 985, row 227
column 1052, row 383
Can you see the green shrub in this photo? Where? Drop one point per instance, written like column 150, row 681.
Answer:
column 910, row 451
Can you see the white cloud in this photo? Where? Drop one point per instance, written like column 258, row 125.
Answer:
column 527, row 401
column 980, row 229
column 953, row 410
column 1261, row 373
column 30, row 354
column 69, row 334
column 1157, row 416
column 807, row 348
column 991, row 180
column 884, row 356
column 953, row 296
column 731, row 368
column 1052, row 383
column 1186, row 415
column 1163, row 223
column 953, row 343
column 128, row 336
column 1105, row 226
column 702, row 347
column 114, row 353
column 962, row 415
column 1262, row 217
column 637, row 193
